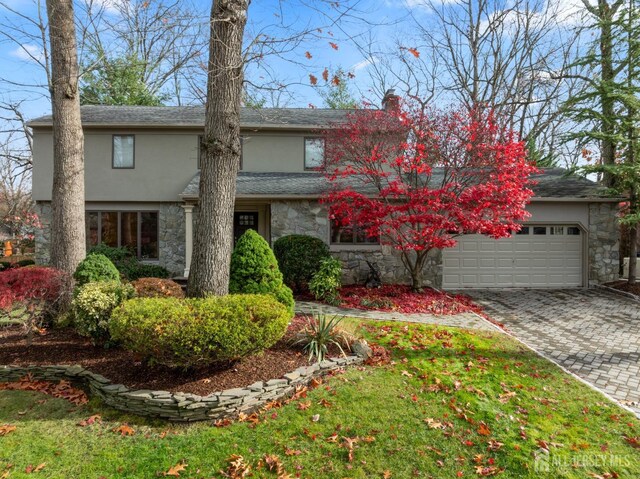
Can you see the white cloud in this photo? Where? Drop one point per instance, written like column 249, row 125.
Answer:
column 364, row 63
column 29, row 52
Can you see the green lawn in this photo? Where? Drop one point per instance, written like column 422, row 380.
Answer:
column 452, row 404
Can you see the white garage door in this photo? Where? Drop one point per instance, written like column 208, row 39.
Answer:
column 539, row 256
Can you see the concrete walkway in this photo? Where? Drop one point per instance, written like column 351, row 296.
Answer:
column 592, row 333
column 463, row 320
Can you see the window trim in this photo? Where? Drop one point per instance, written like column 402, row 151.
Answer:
column 138, row 227
column 113, row 152
column 324, row 155
column 199, row 149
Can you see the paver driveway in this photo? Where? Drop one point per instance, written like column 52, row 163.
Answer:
column 593, row 333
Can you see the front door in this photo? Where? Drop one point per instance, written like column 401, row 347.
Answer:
column 243, row 221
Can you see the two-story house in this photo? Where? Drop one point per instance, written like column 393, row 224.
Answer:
column 141, row 183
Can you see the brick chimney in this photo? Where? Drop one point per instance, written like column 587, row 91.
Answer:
column 391, row 101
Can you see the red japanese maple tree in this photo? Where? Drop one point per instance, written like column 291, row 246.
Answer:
column 418, row 177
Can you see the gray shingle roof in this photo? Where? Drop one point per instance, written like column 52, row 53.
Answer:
column 551, row 183
column 193, row 116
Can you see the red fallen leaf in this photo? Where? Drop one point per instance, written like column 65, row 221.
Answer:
column 633, row 441
column 272, row 462
column 175, row 470
column 325, row 75
column 222, row 422
column 315, row 382
column 292, row 452
column 124, row 430
column 313, row 79
column 308, row 55
column 460, row 474
column 333, row 45
column 324, row 403
column 483, row 429
column 90, row 420
column 414, row 398
column 304, row 405
column 468, row 443
column 7, row 429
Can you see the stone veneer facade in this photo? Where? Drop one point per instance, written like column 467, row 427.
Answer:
column 171, row 235
column 604, row 243
column 310, row 217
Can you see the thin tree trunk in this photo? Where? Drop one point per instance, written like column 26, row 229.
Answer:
column 68, row 245
column 213, row 238
column 633, row 253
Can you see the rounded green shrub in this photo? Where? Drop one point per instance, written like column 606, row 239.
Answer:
column 199, row 331
column 254, row 270
column 93, row 304
column 299, row 258
column 95, row 267
column 326, row 283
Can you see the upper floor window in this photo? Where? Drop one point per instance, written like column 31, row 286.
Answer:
column 123, row 151
column 313, row 153
column 200, row 138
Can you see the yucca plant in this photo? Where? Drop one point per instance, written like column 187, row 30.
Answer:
column 320, row 332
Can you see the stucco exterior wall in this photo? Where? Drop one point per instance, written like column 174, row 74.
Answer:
column 171, row 231
column 165, row 162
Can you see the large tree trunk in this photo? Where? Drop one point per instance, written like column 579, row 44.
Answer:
column 608, row 145
column 68, row 245
column 213, row 237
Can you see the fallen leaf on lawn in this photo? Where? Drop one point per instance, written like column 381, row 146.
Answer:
column 407, row 374
column 237, row 468
column 6, row 429
column 222, row 422
column 488, row 470
column 433, row 424
column 483, row 429
column 315, row 417
column 632, row 441
column 349, row 443
column 504, row 398
column 324, row 403
column 304, row 405
column 292, row 452
column 124, row 430
column 333, row 437
column 90, row 420
column 175, row 470
column 368, row 439
column 30, row 469
column 386, row 474
column 495, row 445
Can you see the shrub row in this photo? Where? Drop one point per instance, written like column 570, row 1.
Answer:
column 127, row 263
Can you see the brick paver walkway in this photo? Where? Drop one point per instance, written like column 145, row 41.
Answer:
column 463, row 320
column 592, row 333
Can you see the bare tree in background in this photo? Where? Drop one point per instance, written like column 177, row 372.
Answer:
column 67, row 202
column 512, row 56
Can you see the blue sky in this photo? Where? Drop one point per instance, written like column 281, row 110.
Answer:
column 18, row 62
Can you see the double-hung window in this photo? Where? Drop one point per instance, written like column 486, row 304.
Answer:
column 123, row 151
column 313, row 153
column 350, row 235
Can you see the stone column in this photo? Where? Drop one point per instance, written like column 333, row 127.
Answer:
column 188, row 237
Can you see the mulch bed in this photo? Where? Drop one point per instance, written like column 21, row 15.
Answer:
column 400, row 298
column 625, row 286
column 65, row 347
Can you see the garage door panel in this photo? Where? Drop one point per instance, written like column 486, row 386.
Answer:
column 525, row 260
